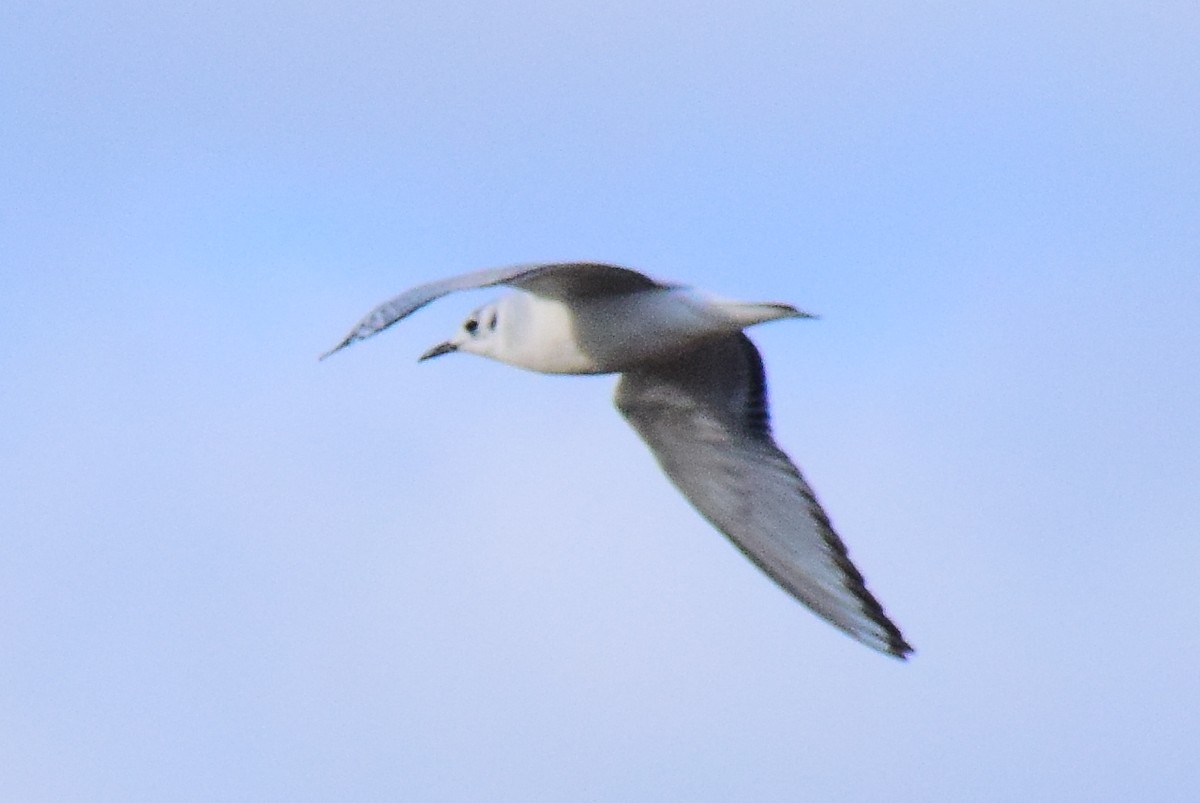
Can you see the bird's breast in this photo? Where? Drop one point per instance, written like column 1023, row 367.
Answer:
column 610, row 334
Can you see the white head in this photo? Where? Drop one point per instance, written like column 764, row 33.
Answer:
column 479, row 334
column 524, row 330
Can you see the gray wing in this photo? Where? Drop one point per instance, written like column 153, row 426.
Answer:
column 555, row 280
column 704, row 416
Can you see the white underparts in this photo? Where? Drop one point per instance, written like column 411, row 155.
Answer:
column 614, row 333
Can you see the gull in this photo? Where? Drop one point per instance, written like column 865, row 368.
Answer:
column 692, row 385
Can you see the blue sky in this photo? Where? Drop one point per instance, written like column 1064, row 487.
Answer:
column 228, row 572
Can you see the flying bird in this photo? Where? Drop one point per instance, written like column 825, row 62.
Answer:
column 692, row 385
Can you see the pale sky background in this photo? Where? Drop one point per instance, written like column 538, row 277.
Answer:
column 230, row 572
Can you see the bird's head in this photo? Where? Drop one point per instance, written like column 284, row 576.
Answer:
column 477, row 335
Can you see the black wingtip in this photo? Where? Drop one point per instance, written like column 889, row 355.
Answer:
column 894, row 643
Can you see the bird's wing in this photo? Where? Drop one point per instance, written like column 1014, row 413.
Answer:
column 562, row 280
column 704, row 416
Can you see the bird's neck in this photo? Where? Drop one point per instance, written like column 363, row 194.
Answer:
column 612, row 334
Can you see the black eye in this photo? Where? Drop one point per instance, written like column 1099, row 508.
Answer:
column 492, row 323
column 471, row 325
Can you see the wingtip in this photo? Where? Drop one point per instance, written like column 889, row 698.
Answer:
column 334, row 350
column 898, row 648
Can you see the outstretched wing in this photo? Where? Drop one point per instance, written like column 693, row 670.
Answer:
column 555, row 280
column 704, row 416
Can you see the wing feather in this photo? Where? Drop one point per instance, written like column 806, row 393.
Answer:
column 563, row 280
column 704, row 416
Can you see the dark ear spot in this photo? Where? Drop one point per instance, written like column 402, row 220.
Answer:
column 492, row 322
column 471, row 325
